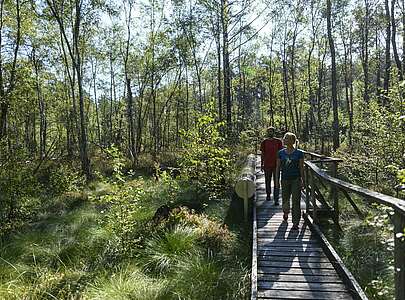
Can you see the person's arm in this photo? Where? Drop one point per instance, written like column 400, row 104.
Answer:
column 262, row 156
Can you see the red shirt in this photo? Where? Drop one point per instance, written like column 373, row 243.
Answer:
column 269, row 149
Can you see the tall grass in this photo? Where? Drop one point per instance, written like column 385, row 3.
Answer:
column 163, row 252
column 127, row 282
column 101, row 244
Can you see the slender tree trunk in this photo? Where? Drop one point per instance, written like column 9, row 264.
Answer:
column 394, row 42
column 334, row 79
column 94, row 73
column 219, row 79
column 286, row 95
column 351, row 90
column 378, row 64
column 130, row 113
column 42, row 109
column 78, row 63
column 387, row 67
column 112, row 99
column 364, row 50
column 226, row 65
column 294, row 105
column 5, row 92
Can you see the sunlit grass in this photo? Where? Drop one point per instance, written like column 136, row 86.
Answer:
column 72, row 250
column 127, row 282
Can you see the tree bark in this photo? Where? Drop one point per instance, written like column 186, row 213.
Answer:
column 334, row 79
column 394, row 42
column 5, row 92
column 226, row 64
column 387, row 67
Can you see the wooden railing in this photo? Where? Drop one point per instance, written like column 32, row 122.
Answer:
column 316, row 205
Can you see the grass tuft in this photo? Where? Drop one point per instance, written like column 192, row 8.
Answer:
column 127, row 283
column 164, row 251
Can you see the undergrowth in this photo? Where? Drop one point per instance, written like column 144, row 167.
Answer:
column 102, row 242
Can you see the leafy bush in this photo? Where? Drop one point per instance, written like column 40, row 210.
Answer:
column 206, row 158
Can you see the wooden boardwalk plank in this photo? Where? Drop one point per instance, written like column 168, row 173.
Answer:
column 299, row 278
column 302, row 286
column 287, row 264
column 283, row 294
column 294, row 271
column 304, row 259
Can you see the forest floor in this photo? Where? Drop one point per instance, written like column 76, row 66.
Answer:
column 101, row 242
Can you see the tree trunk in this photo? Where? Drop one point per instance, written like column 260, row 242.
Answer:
column 364, row 50
column 387, row 67
column 83, row 135
column 226, row 65
column 94, row 73
column 5, row 92
column 394, row 42
column 334, row 79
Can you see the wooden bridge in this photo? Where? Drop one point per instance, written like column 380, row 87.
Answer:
column 301, row 264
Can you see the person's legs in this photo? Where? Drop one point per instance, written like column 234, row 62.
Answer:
column 285, row 195
column 276, row 190
column 267, row 179
column 296, row 201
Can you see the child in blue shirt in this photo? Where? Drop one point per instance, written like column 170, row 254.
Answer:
column 291, row 163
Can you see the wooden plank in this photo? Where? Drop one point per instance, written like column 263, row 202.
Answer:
column 294, row 245
column 299, row 278
column 286, row 235
column 301, row 286
column 276, row 226
column 278, row 252
column 288, row 241
column 293, row 258
column 281, row 236
column 285, row 231
column 282, row 294
column 293, row 249
column 295, row 271
column 298, row 264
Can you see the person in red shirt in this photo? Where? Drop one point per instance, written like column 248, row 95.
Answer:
column 269, row 149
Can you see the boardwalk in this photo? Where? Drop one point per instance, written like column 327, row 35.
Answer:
column 291, row 264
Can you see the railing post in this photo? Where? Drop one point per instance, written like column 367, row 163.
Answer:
column 313, row 199
column 399, row 255
column 334, row 194
column 306, row 182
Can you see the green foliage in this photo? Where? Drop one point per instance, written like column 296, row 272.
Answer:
column 206, row 158
column 117, row 161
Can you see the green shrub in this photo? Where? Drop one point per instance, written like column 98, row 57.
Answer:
column 206, row 159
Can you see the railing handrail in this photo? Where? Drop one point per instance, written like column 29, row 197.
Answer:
column 322, row 157
column 398, row 218
column 395, row 203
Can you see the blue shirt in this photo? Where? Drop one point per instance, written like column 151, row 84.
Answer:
column 290, row 168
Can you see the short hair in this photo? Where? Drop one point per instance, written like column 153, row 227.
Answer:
column 290, row 135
